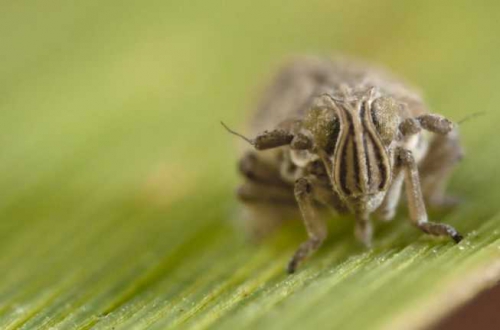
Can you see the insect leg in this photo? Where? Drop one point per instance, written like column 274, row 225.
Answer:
column 444, row 153
column 315, row 225
column 265, row 208
column 416, row 206
column 255, row 192
column 256, row 170
column 268, row 200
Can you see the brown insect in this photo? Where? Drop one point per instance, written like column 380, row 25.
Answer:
column 339, row 134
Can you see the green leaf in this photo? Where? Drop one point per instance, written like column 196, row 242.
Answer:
column 116, row 179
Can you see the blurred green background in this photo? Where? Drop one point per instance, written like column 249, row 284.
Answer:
column 116, row 179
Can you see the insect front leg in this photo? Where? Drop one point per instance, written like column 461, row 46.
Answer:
column 444, row 153
column 416, row 206
column 315, row 225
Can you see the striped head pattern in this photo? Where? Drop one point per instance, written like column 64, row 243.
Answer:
column 356, row 134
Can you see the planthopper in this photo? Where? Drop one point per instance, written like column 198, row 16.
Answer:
column 341, row 135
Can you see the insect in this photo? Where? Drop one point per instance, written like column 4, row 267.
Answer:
column 342, row 135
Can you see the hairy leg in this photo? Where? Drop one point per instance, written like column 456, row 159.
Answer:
column 268, row 201
column 255, row 192
column 314, row 223
column 256, row 170
column 416, row 206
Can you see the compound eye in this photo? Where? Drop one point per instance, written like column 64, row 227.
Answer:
column 322, row 123
column 385, row 116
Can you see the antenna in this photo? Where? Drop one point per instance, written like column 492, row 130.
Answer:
column 237, row 134
column 472, row 115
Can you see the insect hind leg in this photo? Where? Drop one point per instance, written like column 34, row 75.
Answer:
column 256, row 170
column 265, row 208
column 268, row 201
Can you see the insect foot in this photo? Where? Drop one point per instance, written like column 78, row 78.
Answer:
column 416, row 206
column 315, row 225
column 305, row 249
column 441, row 229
